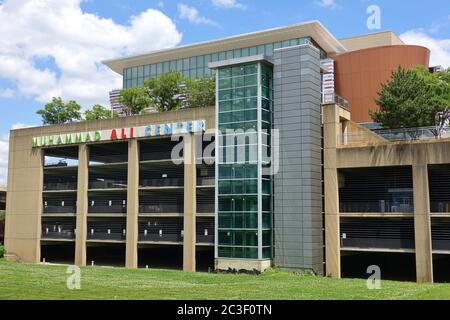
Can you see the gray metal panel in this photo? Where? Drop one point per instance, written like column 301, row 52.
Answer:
column 298, row 184
column 237, row 61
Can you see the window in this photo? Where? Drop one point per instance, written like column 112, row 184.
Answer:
column 239, row 176
column 179, row 65
column 147, row 71
column 173, row 65
column 269, row 49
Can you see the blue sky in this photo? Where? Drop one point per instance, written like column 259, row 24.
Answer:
column 54, row 47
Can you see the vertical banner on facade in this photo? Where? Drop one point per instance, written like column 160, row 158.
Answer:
column 328, row 87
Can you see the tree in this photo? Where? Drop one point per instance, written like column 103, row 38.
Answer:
column 201, row 92
column 166, row 91
column 412, row 98
column 135, row 100
column 59, row 112
column 98, row 112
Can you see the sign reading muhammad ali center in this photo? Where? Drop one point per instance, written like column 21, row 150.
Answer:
column 152, row 130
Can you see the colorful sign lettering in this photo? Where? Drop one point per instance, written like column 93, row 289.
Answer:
column 151, row 130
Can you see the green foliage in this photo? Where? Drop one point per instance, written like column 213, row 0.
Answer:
column 34, row 281
column 201, row 92
column 135, row 100
column 2, row 251
column 165, row 91
column 412, row 98
column 59, row 112
column 98, row 112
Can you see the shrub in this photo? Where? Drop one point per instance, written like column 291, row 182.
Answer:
column 2, row 251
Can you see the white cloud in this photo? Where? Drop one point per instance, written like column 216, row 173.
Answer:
column 440, row 48
column 330, row 4
column 6, row 93
column 228, row 4
column 193, row 15
column 75, row 42
column 20, row 125
column 4, row 146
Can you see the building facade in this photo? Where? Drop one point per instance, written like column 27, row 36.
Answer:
column 270, row 175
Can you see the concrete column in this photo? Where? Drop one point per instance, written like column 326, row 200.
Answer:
column 190, row 203
column 331, row 130
column 132, row 205
column 422, row 222
column 82, row 205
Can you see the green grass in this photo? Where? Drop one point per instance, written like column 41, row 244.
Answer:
column 26, row 281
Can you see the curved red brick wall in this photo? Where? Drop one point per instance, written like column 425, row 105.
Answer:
column 359, row 74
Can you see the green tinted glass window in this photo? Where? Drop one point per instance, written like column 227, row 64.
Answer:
column 238, row 71
column 251, row 80
column 193, row 63
column 179, row 65
column 147, row 71
column 225, row 106
column 251, row 69
column 269, row 49
column 186, row 65
column 225, row 83
column 238, row 82
column 251, row 92
column 134, row 72
column 225, row 73
column 166, row 67
column 200, row 62
column 239, row 178
column 225, row 94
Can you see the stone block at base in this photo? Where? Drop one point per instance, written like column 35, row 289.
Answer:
column 241, row 264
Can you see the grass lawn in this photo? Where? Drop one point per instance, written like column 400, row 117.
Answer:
column 25, row 281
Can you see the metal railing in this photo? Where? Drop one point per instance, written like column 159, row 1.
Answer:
column 58, row 230
column 334, row 98
column 440, row 206
column 205, row 231
column 412, row 134
column 63, row 235
column 106, row 209
column 162, row 182
column 162, row 208
column 60, row 186
column 206, row 181
column 60, row 209
column 105, row 236
column 393, row 135
column 157, row 155
column 205, row 207
column 108, row 184
column 381, row 206
column 163, row 237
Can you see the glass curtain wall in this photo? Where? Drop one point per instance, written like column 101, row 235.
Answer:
column 244, row 201
column 197, row 67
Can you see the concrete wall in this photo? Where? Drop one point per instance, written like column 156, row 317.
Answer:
column 298, row 184
column 373, row 40
column 417, row 155
column 25, row 184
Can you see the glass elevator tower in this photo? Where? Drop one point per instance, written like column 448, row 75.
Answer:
column 243, row 180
